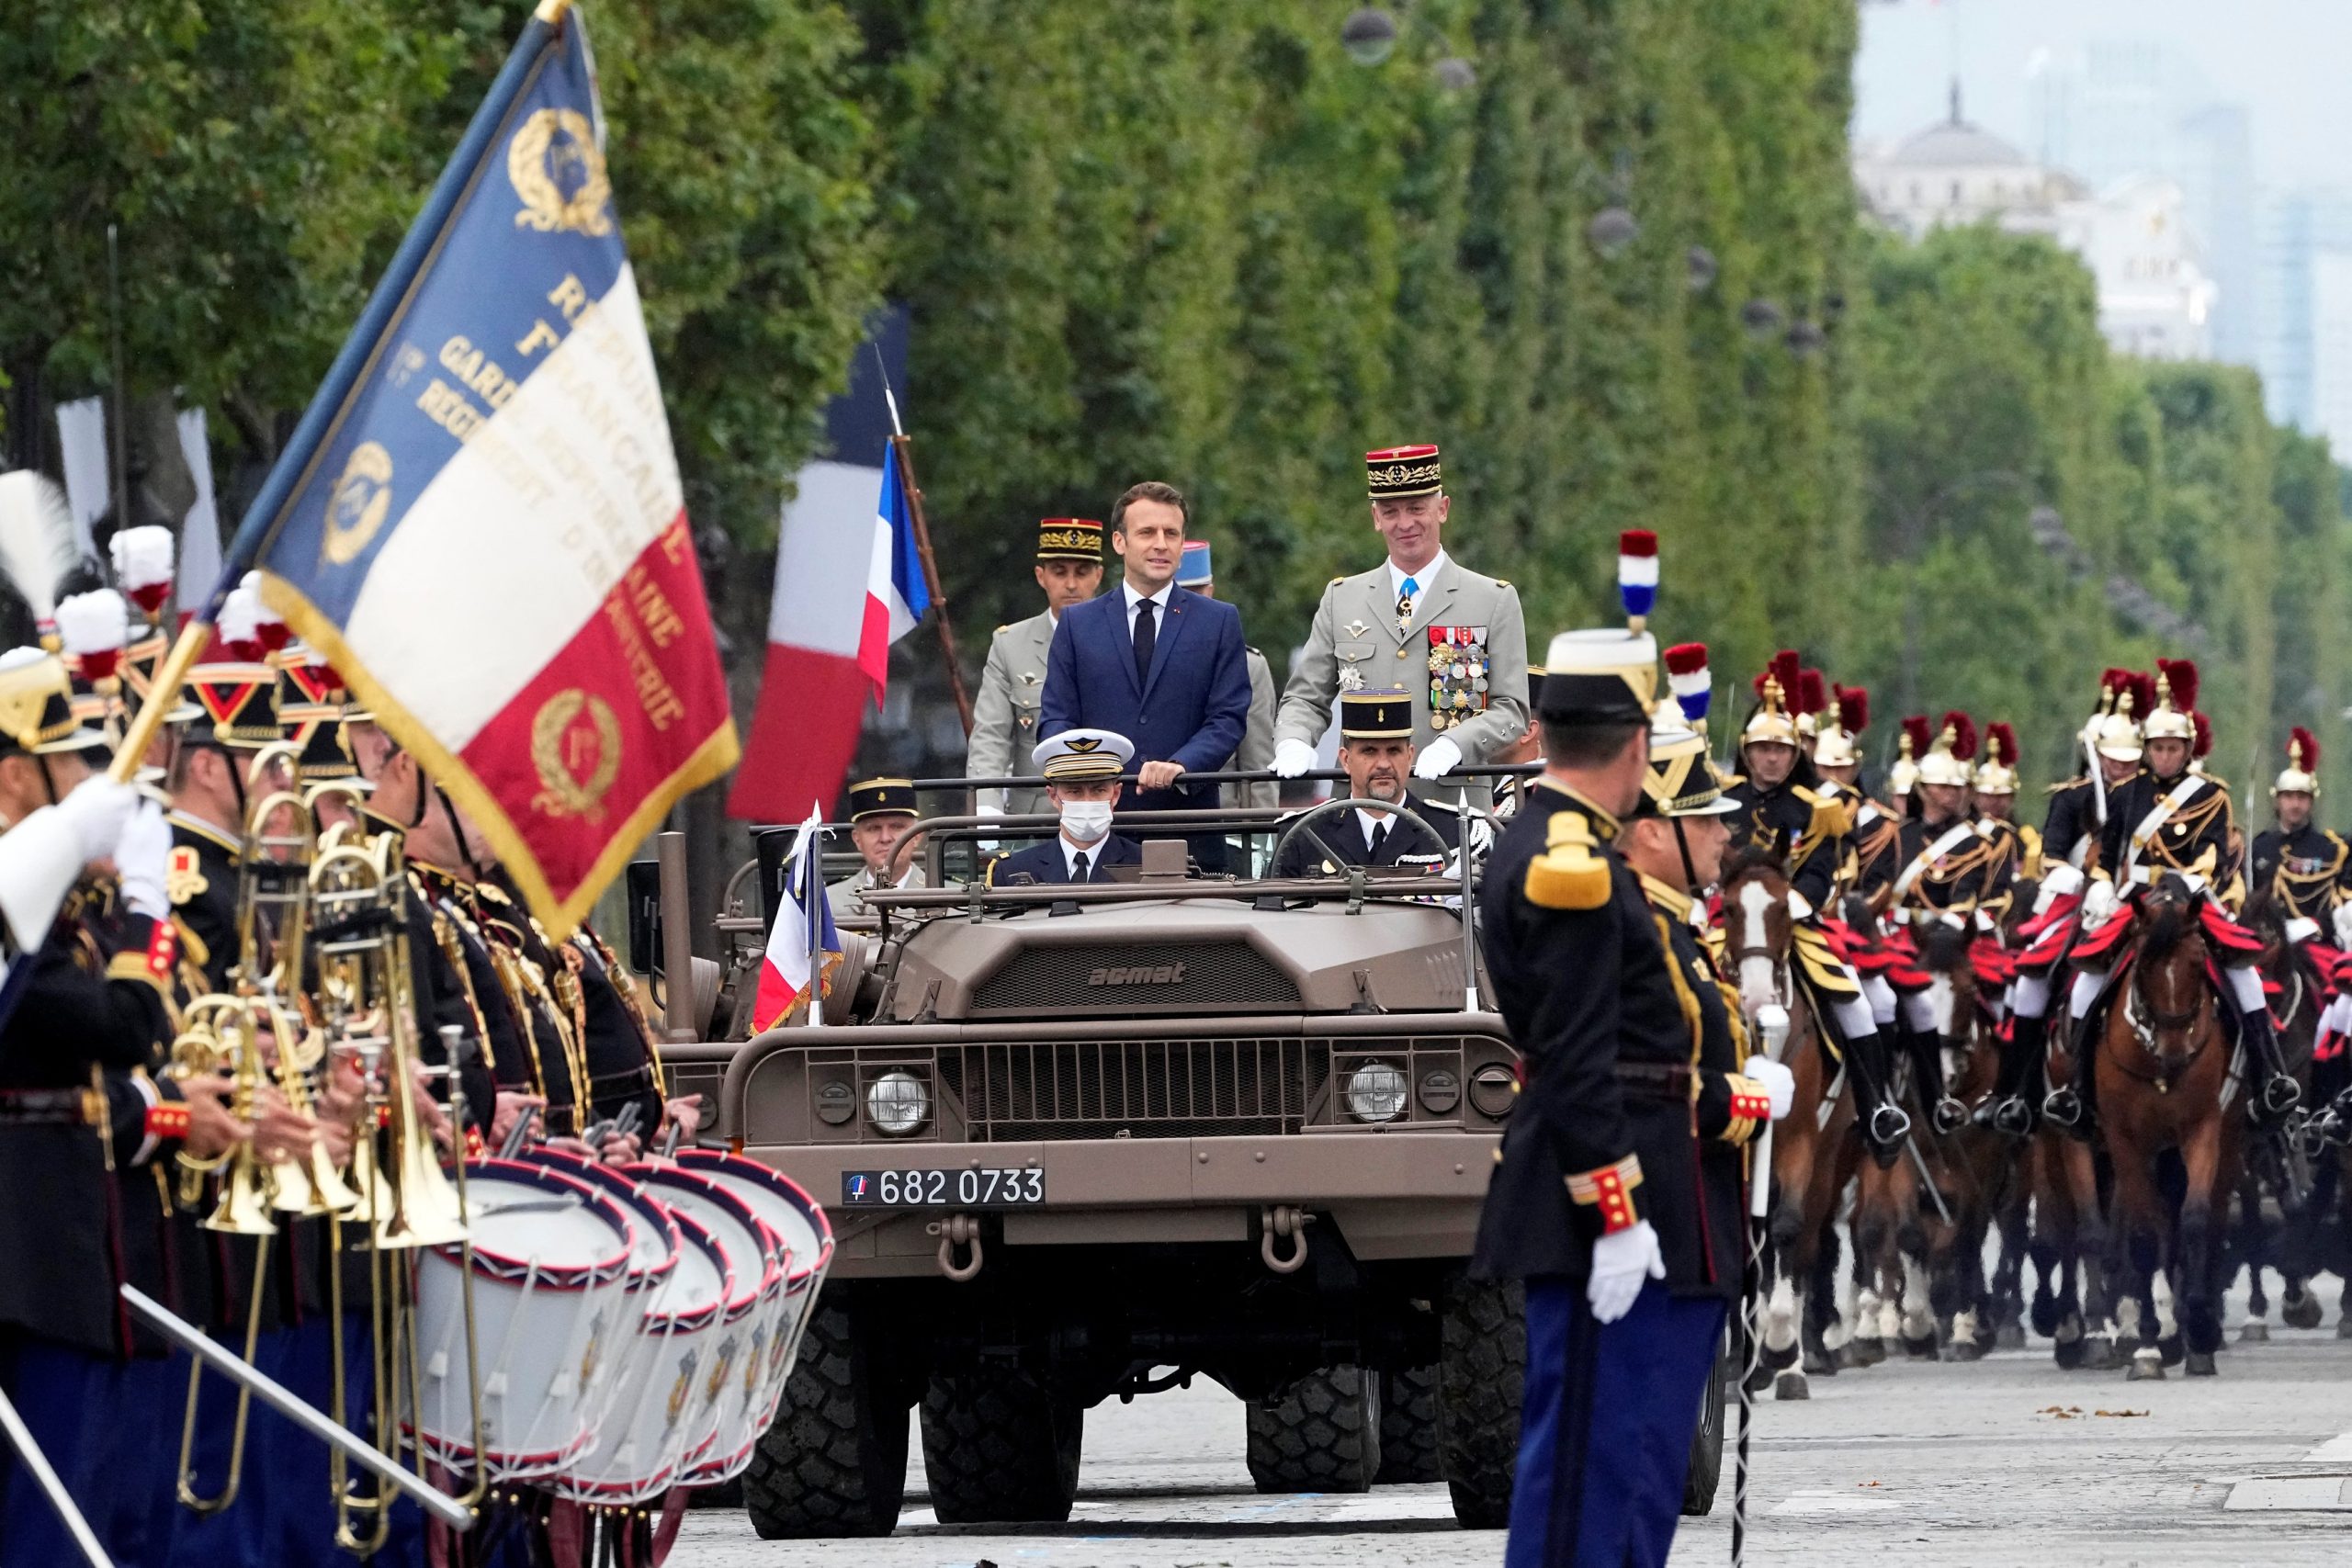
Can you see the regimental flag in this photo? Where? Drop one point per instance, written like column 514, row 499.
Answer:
column 843, row 594
column 803, row 943
column 487, row 537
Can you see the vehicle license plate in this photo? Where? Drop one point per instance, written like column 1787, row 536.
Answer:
column 965, row 1189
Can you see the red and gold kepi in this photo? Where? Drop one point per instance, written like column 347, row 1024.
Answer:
column 1070, row 539
column 1394, row 472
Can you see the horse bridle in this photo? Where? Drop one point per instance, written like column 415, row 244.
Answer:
column 2148, row 1021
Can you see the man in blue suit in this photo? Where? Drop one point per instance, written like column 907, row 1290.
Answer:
column 1160, row 664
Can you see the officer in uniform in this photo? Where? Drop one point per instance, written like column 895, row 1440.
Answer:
column 1004, row 716
column 1869, row 847
column 1599, row 1200
column 1194, row 570
column 1081, row 769
column 1452, row 638
column 229, row 715
column 2304, row 868
column 1377, row 751
column 881, row 814
column 1955, row 869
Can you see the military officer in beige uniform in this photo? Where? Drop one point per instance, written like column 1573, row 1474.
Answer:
column 881, row 817
column 1418, row 620
column 1004, row 719
column 1194, row 570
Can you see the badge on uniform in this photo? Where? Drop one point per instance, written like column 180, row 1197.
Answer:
column 1458, row 675
column 184, row 876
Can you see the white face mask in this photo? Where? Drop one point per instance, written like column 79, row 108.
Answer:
column 1086, row 821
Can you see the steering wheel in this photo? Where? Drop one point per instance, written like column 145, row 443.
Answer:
column 1301, row 823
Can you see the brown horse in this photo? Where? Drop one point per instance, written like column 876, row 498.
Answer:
column 2278, row 1165
column 2163, row 1083
column 2069, row 1234
column 1758, row 943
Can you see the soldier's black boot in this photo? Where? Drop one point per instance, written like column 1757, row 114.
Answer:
column 2065, row 1105
column 1945, row 1114
column 1884, row 1123
column 2007, row 1109
column 2277, row 1092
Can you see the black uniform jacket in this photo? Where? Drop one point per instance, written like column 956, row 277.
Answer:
column 621, row 1065
column 202, row 878
column 1729, row 1106
column 1806, row 829
column 2070, row 832
column 1588, row 990
column 1045, row 863
column 1341, row 834
column 2306, row 872
column 1959, row 876
column 2192, row 836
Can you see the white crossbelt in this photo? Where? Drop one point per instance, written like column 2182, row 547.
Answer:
column 2158, row 815
column 1953, row 837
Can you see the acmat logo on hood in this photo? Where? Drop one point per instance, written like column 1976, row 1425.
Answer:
column 1138, row 974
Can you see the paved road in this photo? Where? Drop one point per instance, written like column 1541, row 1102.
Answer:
column 1910, row 1465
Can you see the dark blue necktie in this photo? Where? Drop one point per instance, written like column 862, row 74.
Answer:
column 1144, row 640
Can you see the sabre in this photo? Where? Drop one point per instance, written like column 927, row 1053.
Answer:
column 274, row 1394
column 36, row 1464
column 1772, row 1023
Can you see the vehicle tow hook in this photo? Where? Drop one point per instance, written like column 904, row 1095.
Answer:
column 955, row 1231
column 1282, row 1220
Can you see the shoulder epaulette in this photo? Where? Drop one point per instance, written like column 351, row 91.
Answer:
column 1502, row 582
column 1005, row 627
column 1568, row 875
column 491, row 891
column 1335, row 582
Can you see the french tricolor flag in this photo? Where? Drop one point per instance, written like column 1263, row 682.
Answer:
column 844, row 592
column 803, row 946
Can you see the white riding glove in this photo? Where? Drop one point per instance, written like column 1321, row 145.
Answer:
column 2342, row 920
column 2098, row 905
column 140, row 854
column 97, row 809
column 1442, row 757
column 1622, row 1261
column 1292, row 758
column 1777, row 1081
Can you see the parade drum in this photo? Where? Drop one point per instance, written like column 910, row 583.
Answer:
column 808, row 1252
column 755, row 1314
column 656, row 1415
column 550, row 1255
column 653, row 1259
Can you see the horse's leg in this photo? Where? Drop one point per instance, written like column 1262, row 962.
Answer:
column 1824, row 1333
column 2204, row 1202
column 2130, row 1257
column 2248, row 1235
column 2009, row 1276
column 2299, row 1243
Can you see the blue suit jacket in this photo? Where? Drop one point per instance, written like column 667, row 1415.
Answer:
column 1191, row 708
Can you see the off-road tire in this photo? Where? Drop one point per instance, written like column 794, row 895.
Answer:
column 1482, row 1367
column 1707, row 1471
column 1320, row 1434
column 999, row 1447
column 834, row 1463
column 1408, row 1428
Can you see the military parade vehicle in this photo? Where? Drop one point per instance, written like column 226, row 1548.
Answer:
column 1084, row 1143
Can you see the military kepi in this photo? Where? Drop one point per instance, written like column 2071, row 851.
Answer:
column 1082, row 754
column 881, row 797
column 1193, row 568
column 1394, row 472
column 1377, row 715
column 1070, row 539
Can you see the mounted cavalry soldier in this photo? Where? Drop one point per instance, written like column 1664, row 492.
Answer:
column 1993, row 792
column 1453, row 638
column 2173, row 820
column 2304, row 868
column 1954, row 870
column 1869, row 848
column 1783, row 814
column 1005, row 716
column 1600, row 1200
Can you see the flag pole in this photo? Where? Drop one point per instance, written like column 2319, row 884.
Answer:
column 813, row 922
column 351, row 365
column 902, row 449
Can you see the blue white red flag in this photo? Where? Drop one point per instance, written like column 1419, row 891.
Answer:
column 489, row 538
column 803, row 946
column 896, row 593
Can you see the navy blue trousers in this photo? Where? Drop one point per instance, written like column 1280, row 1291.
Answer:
column 1605, row 1428
column 100, row 1424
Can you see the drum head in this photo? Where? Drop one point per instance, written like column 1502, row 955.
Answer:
column 654, row 1237
column 797, row 1218
column 749, row 1246
column 525, row 1217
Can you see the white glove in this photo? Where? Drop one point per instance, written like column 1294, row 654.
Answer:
column 1442, row 757
column 1622, row 1261
column 97, row 809
column 991, row 803
column 1800, row 907
column 140, row 854
column 1777, row 1081
column 2098, row 905
column 2303, row 927
column 1292, row 758
column 2342, row 920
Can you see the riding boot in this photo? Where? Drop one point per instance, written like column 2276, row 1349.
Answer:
column 2277, row 1092
column 1945, row 1114
column 2069, row 1106
column 2009, row 1108
column 1883, row 1122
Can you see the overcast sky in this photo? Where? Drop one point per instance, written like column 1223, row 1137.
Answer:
column 2290, row 62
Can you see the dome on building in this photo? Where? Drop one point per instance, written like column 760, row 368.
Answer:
column 1956, row 144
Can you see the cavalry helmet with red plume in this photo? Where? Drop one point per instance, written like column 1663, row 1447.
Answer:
column 2302, row 773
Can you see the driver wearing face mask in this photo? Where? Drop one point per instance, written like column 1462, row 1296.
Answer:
column 1081, row 769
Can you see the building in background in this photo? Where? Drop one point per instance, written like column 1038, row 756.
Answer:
column 2305, row 319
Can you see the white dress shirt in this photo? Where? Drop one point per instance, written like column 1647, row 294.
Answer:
column 1070, row 851
column 1159, row 615
column 1421, row 578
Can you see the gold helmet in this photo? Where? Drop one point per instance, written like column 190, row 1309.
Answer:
column 2114, row 731
column 1949, row 755
column 1839, row 743
column 1997, row 773
column 1909, row 745
column 1777, row 691
column 2174, row 716
column 2301, row 774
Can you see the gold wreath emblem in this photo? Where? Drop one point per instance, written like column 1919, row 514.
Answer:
column 362, row 500
column 556, row 747
column 554, row 152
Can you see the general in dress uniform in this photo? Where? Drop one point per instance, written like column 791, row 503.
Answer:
column 881, row 814
column 1005, row 716
column 1377, row 751
column 1598, row 1199
column 1420, row 620
column 1196, row 572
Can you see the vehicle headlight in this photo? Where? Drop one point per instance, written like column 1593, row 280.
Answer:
column 898, row 1103
column 1376, row 1092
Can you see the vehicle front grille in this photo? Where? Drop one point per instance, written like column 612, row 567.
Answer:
column 1161, row 977
column 1144, row 1089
